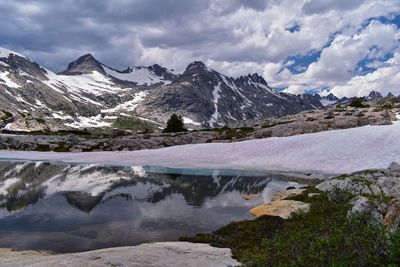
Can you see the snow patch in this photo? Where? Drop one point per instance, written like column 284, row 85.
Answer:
column 336, row 152
column 94, row 83
column 216, row 96
column 139, row 75
column 60, row 116
column 7, row 81
column 187, row 120
column 5, row 53
column 6, row 184
column 129, row 105
column 89, row 122
column 326, row 102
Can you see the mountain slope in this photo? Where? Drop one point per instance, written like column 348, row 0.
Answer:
column 205, row 96
column 89, row 94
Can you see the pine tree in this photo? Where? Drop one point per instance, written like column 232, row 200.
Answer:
column 175, row 124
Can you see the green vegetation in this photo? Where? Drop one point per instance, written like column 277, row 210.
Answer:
column 132, row 124
column 394, row 250
column 386, row 106
column 269, row 125
column 323, row 237
column 339, row 109
column 7, row 115
column 40, row 120
column 357, row 103
column 175, row 124
column 226, row 133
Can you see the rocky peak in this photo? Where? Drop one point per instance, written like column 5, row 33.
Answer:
column 390, row 94
column 16, row 63
column 5, row 53
column 84, row 65
column 317, row 96
column 252, row 78
column 331, row 97
column 162, row 72
column 195, row 67
column 374, row 95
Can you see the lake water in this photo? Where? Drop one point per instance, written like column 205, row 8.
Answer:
column 77, row 207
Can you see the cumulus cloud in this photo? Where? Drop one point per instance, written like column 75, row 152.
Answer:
column 235, row 37
column 385, row 79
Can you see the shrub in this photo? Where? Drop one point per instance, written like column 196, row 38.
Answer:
column 394, row 249
column 175, row 124
column 387, row 106
column 357, row 103
column 40, row 120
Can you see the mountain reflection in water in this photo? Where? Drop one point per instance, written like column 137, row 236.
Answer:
column 75, row 207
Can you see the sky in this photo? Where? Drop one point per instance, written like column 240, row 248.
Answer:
column 347, row 47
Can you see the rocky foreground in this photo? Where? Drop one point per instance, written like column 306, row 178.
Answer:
column 302, row 123
column 176, row 254
column 349, row 220
column 376, row 192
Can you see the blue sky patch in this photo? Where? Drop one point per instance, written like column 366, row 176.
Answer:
column 301, row 62
column 295, row 28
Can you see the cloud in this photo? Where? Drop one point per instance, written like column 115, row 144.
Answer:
column 385, row 79
column 235, row 37
column 320, row 6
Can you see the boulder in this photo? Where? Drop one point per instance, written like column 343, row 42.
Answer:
column 347, row 185
column 329, row 115
column 394, row 167
column 250, row 196
column 282, row 208
column 392, row 217
column 389, row 186
column 362, row 205
column 281, row 195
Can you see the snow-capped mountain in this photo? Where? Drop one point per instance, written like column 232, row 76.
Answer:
column 331, row 100
column 327, row 100
column 147, row 76
column 89, row 93
column 205, row 96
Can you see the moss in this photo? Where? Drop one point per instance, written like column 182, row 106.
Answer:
column 304, row 196
column 240, row 236
column 266, row 125
column 40, row 120
column 385, row 106
column 343, row 176
column 339, row 109
column 227, row 133
column 133, row 124
column 7, row 115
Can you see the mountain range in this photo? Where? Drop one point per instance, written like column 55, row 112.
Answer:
column 90, row 94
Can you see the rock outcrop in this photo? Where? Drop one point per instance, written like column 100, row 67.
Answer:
column 173, row 254
column 376, row 192
column 280, row 206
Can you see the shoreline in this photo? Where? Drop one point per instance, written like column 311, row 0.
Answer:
column 178, row 254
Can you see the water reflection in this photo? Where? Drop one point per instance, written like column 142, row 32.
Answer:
column 68, row 207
